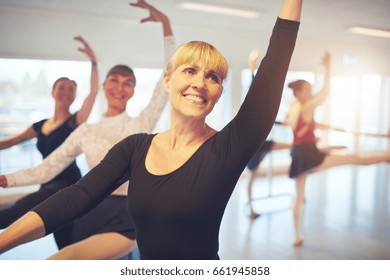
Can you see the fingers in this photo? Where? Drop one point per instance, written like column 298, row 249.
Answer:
column 86, row 48
column 154, row 14
column 147, row 19
column 140, row 4
column 254, row 54
column 79, row 38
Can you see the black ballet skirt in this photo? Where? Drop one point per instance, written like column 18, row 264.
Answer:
column 304, row 157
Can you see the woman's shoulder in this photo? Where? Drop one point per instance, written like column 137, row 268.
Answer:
column 37, row 126
column 138, row 139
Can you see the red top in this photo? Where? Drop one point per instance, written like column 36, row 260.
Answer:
column 304, row 132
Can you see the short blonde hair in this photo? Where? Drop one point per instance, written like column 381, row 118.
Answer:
column 196, row 51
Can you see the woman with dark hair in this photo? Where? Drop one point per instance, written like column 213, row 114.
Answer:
column 50, row 134
column 180, row 179
column 106, row 232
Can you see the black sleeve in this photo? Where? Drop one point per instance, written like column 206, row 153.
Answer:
column 76, row 200
column 256, row 116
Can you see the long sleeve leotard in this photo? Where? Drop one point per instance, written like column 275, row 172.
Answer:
column 178, row 215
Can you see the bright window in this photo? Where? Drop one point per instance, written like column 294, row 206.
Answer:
column 25, row 86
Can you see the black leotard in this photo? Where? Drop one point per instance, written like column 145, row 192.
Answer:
column 178, row 215
column 46, row 144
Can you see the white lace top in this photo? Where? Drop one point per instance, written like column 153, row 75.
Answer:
column 94, row 140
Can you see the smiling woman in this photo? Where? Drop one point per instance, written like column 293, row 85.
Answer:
column 180, row 179
column 95, row 229
column 195, row 74
column 51, row 133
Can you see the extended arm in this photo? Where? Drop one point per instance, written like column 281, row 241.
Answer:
column 86, row 108
column 258, row 112
column 72, row 202
column 27, row 134
column 151, row 114
column 50, row 167
column 321, row 96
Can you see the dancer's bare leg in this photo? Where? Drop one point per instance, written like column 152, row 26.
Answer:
column 280, row 146
column 253, row 214
column 333, row 160
column 300, row 183
column 275, row 146
column 104, row 246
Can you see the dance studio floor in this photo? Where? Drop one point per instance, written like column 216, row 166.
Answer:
column 346, row 217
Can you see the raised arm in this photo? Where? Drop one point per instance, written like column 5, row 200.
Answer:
column 86, row 108
column 252, row 58
column 291, row 10
column 154, row 15
column 50, row 167
column 151, row 114
column 258, row 112
column 321, row 96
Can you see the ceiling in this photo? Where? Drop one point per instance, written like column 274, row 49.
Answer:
column 321, row 19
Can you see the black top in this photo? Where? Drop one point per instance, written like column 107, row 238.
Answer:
column 48, row 143
column 178, row 215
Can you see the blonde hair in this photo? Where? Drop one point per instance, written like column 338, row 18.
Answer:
column 195, row 51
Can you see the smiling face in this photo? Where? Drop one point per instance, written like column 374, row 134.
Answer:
column 119, row 87
column 194, row 79
column 64, row 92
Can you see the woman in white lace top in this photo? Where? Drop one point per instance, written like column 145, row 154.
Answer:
column 107, row 232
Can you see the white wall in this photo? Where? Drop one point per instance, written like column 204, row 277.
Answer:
column 44, row 35
column 40, row 34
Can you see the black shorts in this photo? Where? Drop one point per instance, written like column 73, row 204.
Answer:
column 111, row 215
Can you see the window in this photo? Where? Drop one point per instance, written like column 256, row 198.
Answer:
column 356, row 104
column 25, row 87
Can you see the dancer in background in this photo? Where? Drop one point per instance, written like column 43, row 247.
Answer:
column 306, row 156
column 180, row 179
column 106, row 232
column 50, row 134
column 268, row 146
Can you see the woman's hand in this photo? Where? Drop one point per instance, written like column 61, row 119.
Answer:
column 253, row 56
column 86, row 49
column 154, row 14
column 326, row 59
column 3, row 181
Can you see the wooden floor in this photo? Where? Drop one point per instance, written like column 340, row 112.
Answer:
column 346, row 217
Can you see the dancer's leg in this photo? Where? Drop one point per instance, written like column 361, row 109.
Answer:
column 300, row 183
column 333, row 160
column 280, row 146
column 253, row 214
